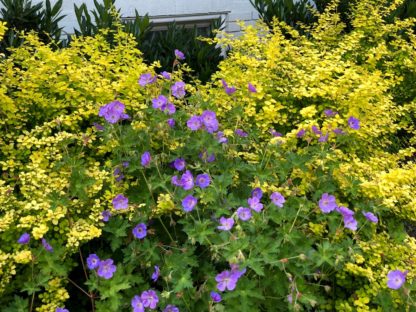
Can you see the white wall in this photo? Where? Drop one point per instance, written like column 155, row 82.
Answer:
column 238, row 9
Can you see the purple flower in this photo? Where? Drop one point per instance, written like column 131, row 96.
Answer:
column 257, row 193
column 98, row 127
column 145, row 159
column 327, row 203
column 155, row 274
column 235, row 270
column 194, row 123
column 316, row 130
column 203, row 180
column 346, row 212
column 209, row 119
column 106, row 214
column 146, row 79
column 140, row 231
column 275, row 133
column 329, row 113
column 241, row 133
column 113, row 112
column 178, row 89
column 226, row 280
column 118, row 174
column 228, row 90
column 106, row 269
column 159, row 102
column 93, row 261
column 216, row 297
column 179, row 55
column 176, row 181
column 171, row 122
column 338, row 131
column 46, row 245
column 187, row 181
column 255, row 204
column 137, row 304
column 251, row 88
column 300, row 133
column 354, row 123
column 226, row 224
column 396, row 278
column 323, row 138
column 244, row 214
column 169, row 109
column 171, row 308
column 189, row 203
column 221, row 138
column 179, row 164
column 350, row 223
column 149, row 299
column 120, row 202
column 277, row 199
column 61, row 310
column 125, row 164
column 24, row 239
column 370, row 217
column 165, row 75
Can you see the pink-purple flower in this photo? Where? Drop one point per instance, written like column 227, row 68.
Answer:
column 189, row 203
column 146, row 79
column 171, row 122
column 171, row 308
column 327, row 203
column 156, row 273
column 244, row 214
column 229, row 90
column 137, row 304
column 396, row 279
column 350, row 223
column 194, row 123
column 203, row 180
column 149, row 299
column 370, row 217
column 120, row 202
column 140, row 231
column 166, row 75
column 251, row 88
column 216, row 297
column 113, row 112
column 209, row 119
column 24, row 239
column 61, row 310
column 277, row 199
column 145, row 159
column 93, row 261
column 300, row 133
column 241, row 133
column 330, row 113
column 226, row 224
column 178, row 89
column 257, row 193
column 179, row 164
column 255, row 204
column 106, row 214
column 179, row 55
column 46, row 245
column 187, row 181
column 221, row 138
column 226, row 280
column 106, row 269
column 354, row 123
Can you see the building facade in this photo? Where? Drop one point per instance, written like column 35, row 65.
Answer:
column 199, row 12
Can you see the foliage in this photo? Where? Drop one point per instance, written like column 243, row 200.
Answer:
column 23, row 15
column 87, row 132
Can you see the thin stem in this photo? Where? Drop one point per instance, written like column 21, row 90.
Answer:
column 86, row 277
column 166, row 230
column 294, row 221
column 79, row 287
